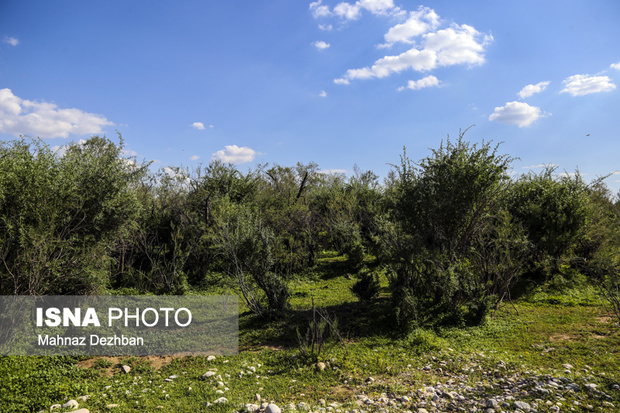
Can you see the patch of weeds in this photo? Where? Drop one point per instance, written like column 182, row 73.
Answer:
column 102, row 364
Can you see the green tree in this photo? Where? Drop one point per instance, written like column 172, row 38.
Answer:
column 60, row 216
column 553, row 210
column 443, row 206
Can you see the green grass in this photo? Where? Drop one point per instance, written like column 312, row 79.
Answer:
column 534, row 337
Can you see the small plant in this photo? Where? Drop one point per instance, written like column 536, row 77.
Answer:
column 367, row 286
column 323, row 329
column 102, row 364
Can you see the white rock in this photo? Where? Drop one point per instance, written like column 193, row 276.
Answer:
column 71, row 404
column 209, row 374
column 210, row 358
column 125, row 369
column 273, row 408
column 221, row 400
column 54, row 406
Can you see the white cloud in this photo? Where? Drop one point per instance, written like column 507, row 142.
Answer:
column 198, row 125
column 235, row 154
column 194, row 158
column 452, row 46
column 516, row 113
column 347, row 11
column 428, row 81
column 530, row 90
column 376, row 6
column 326, row 27
column 321, row 45
column 11, row 40
column 129, row 152
column 45, row 120
column 352, row 11
column 419, row 22
column 615, row 66
column 319, row 10
column 579, row 85
column 333, row 171
column 323, row 94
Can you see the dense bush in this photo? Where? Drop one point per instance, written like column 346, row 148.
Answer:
column 444, row 207
column 454, row 230
column 60, row 216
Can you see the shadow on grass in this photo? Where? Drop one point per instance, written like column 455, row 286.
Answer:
column 355, row 320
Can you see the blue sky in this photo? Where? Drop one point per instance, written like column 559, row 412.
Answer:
column 337, row 83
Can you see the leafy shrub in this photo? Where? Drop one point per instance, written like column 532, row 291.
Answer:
column 367, row 286
column 443, row 207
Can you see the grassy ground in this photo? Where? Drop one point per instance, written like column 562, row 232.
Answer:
column 543, row 330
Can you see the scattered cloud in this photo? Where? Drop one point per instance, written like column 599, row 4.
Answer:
column 516, row 113
column 323, row 94
column 319, row 10
column 10, row 40
column 352, row 11
column 326, row 27
column 428, row 81
column 194, row 158
column 419, row 22
column 615, row 66
column 347, row 11
column 235, row 154
column 452, row 46
column 530, row 90
column 45, row 120
column 129, row 152
column 333, row 171
column 579, row 85
column 198, row 125
column 321, row 45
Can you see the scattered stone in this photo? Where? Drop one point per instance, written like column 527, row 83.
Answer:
column 591, row 386
column 111, row 406
column 221, row 400
column 567, row 366
column 209, row 374
column 55, row 406
column 321, row 366
column 125, row 369
column 71, row 404
column 210, row 358
column 273, row 408
column 493, row 404
column 81, row 411
column 523, row 406
column 83, row 398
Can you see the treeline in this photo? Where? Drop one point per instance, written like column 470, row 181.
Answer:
column 454, row 231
